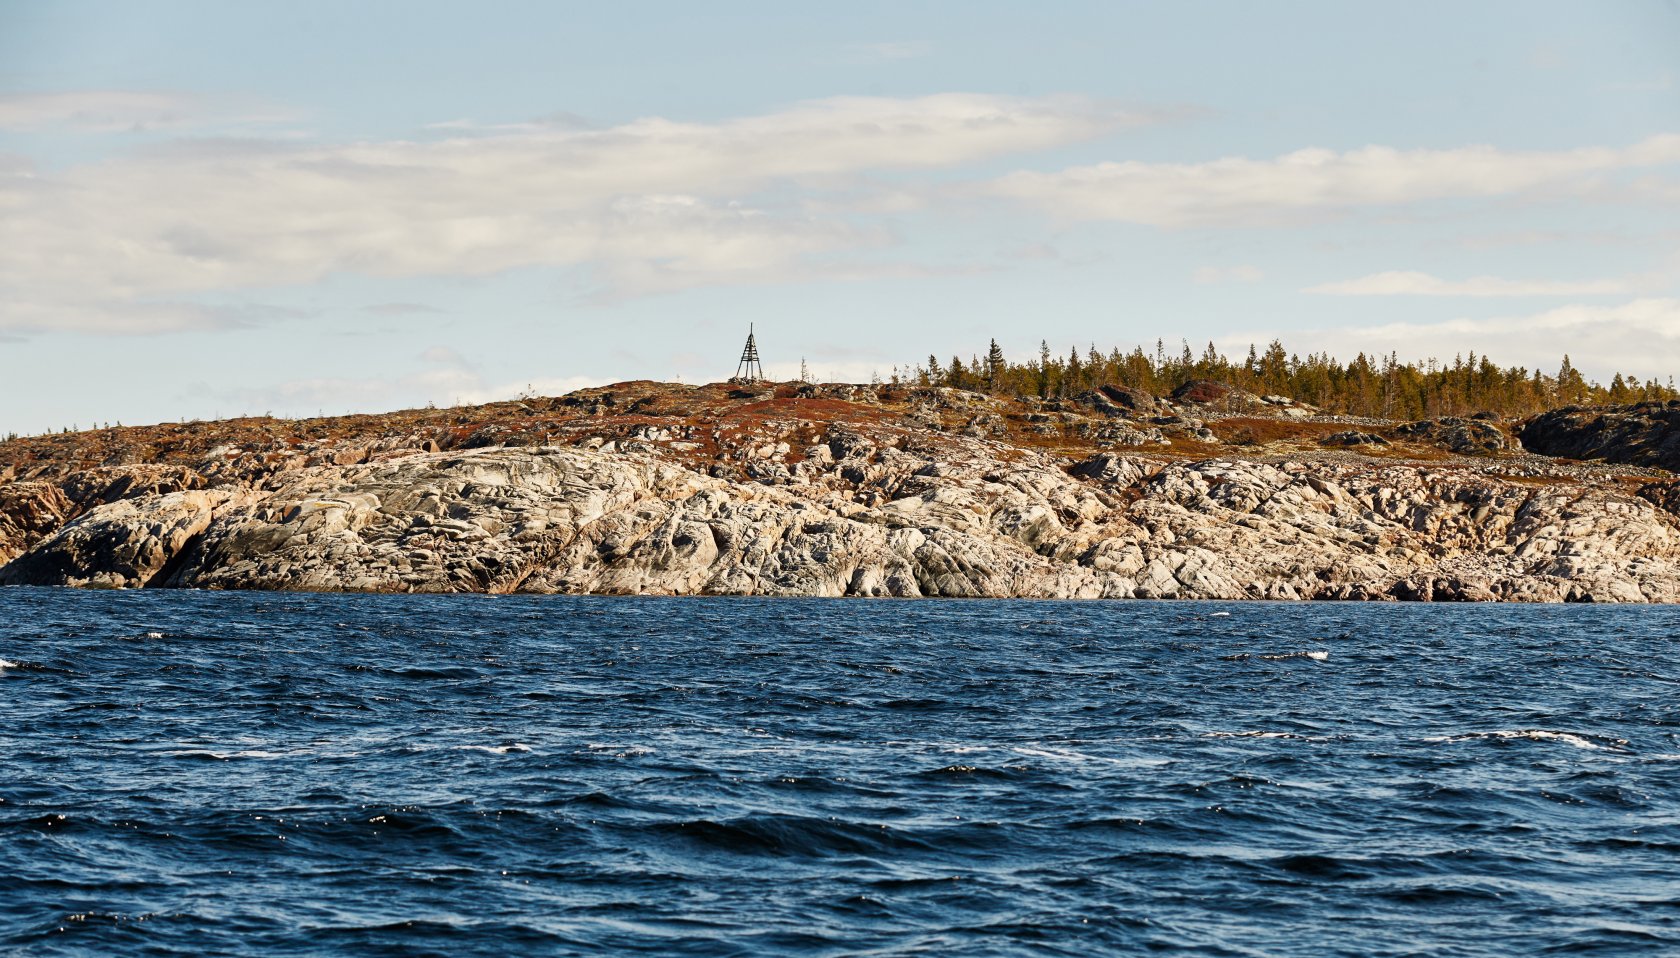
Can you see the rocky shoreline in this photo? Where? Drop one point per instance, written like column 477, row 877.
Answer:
column 647, row 488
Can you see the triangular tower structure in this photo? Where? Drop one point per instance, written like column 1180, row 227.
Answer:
column 749, row 370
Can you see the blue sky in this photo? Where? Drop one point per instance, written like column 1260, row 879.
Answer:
column 210, row 209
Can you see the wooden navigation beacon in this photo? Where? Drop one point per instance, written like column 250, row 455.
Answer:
column 749, row 370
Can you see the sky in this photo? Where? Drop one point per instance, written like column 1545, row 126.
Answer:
column 212, row 209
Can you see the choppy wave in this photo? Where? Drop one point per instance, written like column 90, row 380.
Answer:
column 1252, row 734
column 198, row 773
column 1316, row 655
column 1601, row 743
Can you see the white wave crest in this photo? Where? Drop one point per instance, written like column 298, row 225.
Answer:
column 1538, row 735
column 1251, row 735
column 226, row 756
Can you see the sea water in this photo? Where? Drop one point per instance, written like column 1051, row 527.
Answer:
column 262, row 774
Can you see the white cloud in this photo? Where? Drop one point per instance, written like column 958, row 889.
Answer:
column 86, row 314
column 446, row 384
column 650, row 205
column 551, row 121
column 856, row 371
column 1210, row 275
column 1502, row 239
column 1640, row 337
column 1648, row 191
column 1238, row 190
column 1658, row 83
column 1403, row 283
column 92, row 110
column 446, row 378
column 115, row 111
column 1547, row 56
column 444, row 356
column 890, row 50
column 399, row 309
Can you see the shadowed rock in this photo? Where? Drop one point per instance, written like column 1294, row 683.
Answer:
column 1646, row 434
column 124, row 544
column 1665, row 495
column 1353, row 438
column 1467, row 437
column 1119, row 401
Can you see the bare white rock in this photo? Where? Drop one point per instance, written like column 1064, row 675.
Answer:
column 880, row 521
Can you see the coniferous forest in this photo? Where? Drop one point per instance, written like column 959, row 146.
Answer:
column 1375, row 386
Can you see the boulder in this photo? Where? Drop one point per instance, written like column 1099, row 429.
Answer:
column 1107, row 467
column 1467, row 437
column 1353, row 438
column 1136, row 401
column 1203, row 392
column 1099, row 404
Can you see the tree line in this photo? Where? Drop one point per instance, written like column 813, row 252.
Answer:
column 1374, row 386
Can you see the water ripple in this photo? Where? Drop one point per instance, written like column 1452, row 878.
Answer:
column 196, row 773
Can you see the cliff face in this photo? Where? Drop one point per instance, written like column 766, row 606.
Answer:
column 907, row 493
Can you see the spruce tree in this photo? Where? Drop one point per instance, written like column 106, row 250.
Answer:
column 994, row 365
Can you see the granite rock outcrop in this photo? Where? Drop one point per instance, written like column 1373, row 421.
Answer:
column 808, row 493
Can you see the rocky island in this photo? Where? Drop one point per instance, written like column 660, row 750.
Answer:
column 798, row 489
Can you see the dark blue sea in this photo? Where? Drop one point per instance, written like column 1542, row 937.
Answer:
column 259, row 774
